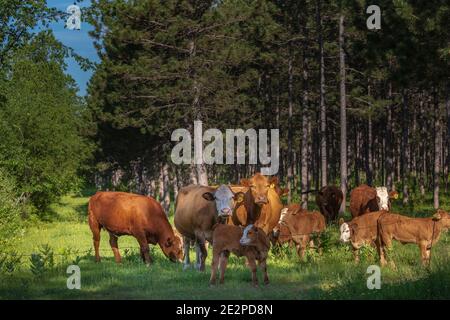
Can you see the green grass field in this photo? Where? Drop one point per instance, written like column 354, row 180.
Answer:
column 64, row 238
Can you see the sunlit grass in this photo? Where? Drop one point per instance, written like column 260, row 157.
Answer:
column 333, row 275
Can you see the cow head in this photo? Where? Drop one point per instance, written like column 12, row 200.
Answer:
column 172, row 248
column 259, row 186
column 254, row 236
column 443, row 217
column 225, row 199
column 383, row 198
column 345, row 230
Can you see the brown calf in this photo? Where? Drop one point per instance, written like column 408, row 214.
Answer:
column 360, row 231
column 298, row 225
column 250, row 242
column 422, row 231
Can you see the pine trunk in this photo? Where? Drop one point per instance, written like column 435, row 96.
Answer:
column 343, row 113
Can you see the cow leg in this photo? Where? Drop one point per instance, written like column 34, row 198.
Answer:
column 263, row 267
column 115, row 247
column 95, row 228
column 201, row 254
column 187, row 248
column 356, row 254
column 214, row 265
column 386, row 245
column 252, row 266
column 223, row 265
column 424, row 252
column 145, row 251
column 300, row 251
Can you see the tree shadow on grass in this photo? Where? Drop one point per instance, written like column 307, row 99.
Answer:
column 435, row 284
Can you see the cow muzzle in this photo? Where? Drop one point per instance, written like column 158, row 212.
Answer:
column 262, row 200
column 225, row 212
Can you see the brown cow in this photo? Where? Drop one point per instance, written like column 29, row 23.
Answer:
column 365, row 199
column 360, row 231
column 198, row 209
column 300, row 225
column 422, row 231
column 250, row 242
column 329, row 200
column 262, row 205
column 142, row 217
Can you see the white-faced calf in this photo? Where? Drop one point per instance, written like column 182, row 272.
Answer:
column 250, row 242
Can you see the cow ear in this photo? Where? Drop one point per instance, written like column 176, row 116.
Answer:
column 245, row 182
column 239, row 197
column 437, row 216
column 341, row 221
column 208, row 196
column 273, row 180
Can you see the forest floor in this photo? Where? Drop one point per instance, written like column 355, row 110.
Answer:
column 64, row 239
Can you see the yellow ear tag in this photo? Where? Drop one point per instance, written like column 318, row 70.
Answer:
column 272, row 186
column 396, row 196
column 240, row 198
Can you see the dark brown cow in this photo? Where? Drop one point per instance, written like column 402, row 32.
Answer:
column 422, row 231
column 329, row 200
column 198, row 209
column 142, row 217
column 250, row 242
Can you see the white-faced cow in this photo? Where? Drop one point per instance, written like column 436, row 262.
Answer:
column 198, row 209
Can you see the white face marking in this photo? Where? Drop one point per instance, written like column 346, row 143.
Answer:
column 245, row 241
column 224, row 200
column 284, row 211
column 345, row 232
column 383, row 197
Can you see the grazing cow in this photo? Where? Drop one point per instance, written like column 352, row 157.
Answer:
column 142, row 217
column 422, row 231
column 329, row 200
column 250, row 242
column 300, row 225
column 198, row 209
column 360, row 230
column 262, row 205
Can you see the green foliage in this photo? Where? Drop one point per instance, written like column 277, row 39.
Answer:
column 10, row 261
column 41, row 121
column 10, row 222
column 42, row 261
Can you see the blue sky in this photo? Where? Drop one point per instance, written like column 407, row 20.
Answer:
column 79, row 40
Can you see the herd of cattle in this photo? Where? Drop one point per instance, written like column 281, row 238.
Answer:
column 246, row 219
